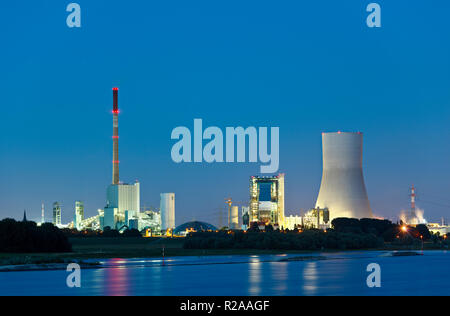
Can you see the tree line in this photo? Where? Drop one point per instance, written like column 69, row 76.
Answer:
column 346, row 233
column 27, row 237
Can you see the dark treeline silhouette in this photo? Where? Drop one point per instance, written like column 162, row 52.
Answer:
column 107, row 232
column 346, row 233
column 383, row 228
column 379, row 227
column 283, row 240
column 26, row 236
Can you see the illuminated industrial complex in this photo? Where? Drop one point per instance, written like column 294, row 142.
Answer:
column 342, row 193
column 267, row 200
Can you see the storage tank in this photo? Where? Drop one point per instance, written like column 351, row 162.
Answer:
column 167, row 208
column 342, row 190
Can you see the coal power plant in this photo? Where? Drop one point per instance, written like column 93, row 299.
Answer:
column 342, row 190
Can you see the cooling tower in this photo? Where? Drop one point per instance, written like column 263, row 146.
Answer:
column 342, row 190
column 167, row 209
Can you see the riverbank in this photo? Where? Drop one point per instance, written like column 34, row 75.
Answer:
column 105, row 248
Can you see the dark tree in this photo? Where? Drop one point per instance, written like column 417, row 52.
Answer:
column 423, row 231
column 26, row 236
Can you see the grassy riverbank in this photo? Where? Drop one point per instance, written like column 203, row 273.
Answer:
column 101, row 248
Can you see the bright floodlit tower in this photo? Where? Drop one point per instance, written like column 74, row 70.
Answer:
column 342, row 190
column 267, row 200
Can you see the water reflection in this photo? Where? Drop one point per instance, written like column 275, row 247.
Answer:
column 254, row 274
column 310, row 278
column 116, row 279
column 339, row 274
column 279, row 276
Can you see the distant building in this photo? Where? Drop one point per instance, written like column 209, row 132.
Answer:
column 437, row 228
column 245, row 217
column 292, row 221
column 234, row 217
column 167, row 209
column 79, row 215
column 149, row 220
column 317, row 218
column 110, row 218
column 56, row 214
column 133, row 224
column 267, row 200
column 120, row 198
column 191, row 227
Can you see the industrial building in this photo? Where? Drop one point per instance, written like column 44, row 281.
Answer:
column 342, row 190
column 191, row 227
column 167, row 210
column 79, row 215
column 267, row 200
column 56, row 214
column 120, row 197
column 245, row 217
column 292, row 221
column 234, row 217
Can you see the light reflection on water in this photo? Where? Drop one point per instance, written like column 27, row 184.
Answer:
column 340, row 274
column 310, row 277
column 254, row 274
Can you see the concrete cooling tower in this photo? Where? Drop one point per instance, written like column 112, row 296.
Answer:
column 342, row 190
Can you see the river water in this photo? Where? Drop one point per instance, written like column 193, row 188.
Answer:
column 340, row 273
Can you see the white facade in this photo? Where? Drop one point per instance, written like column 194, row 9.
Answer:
column 150, row 219
column 342, row 190
column 130, row 215
column 56, row 214
column 234, row 217
column 291, row 221
column 79, row 215
column 124, row 197
column 167, row 208
column 109, row 219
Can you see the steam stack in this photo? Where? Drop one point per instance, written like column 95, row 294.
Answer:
column 115, row 136
column 342, row 190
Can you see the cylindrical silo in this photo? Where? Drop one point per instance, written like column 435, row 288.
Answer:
column 167, row 209
column 342, row 190
column 234, row 217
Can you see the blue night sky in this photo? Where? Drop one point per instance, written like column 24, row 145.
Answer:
column 307, row 67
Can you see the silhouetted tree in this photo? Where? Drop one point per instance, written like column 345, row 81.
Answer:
column 26, row 236
column 423, row 231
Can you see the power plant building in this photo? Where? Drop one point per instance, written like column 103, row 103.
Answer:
column 120, row 197
column 267, row 200
column 234, row 217
column 79, row 214
column 56, row 214
column 167, row 209
column 342, row 190
column 124, row 197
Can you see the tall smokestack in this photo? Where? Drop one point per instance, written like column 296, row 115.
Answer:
column 115, row 136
